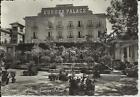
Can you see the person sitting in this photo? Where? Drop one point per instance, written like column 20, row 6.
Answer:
column 4, row 77
column 11, row 75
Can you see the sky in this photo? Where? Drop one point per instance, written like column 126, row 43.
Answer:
column 17, row 10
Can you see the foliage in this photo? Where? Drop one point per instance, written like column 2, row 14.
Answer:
column 45, row 59
column 123, row 16
column 89, row 59
column 58, row 59
column 62, row 54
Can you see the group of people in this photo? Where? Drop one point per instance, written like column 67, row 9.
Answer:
column 81, row 86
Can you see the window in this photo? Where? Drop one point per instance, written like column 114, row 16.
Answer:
column 20, row 41
column 34, row 35
column 35, row 27
column 99, row 24
column 79, row 35
column 59, row 22
column 70, row 24
column 50, row 25
column 14, row 41
column 90, row 23
column 90, row 33
column 49, row 34
column 125, row 52
column 99, row 33
column 70, row 34
column 15, row 28
column 131, row 51
column 59, row 34
column 59, row 25
column 79, row 23
column 21, row 29
column 5, row 41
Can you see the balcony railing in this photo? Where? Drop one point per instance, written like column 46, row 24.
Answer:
column 70, row 27
column 59, row 27
column 5, row 43
column 80, row 27
column 80, row 36
column 89, row 37
column 49, row 38
column 50, row 28
column 90, row 26
column 59, row 37
column 70, row 36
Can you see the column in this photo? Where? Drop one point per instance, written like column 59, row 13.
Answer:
column 128, row 59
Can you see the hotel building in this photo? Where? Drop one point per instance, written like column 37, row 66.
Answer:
column 64, row 23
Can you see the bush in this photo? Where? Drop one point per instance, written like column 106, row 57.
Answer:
column 132, row 72
column 45, row 59
column 53, row 66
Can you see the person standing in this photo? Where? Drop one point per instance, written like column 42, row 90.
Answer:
column 11, row 75
column 90, row 87
column 4, row 72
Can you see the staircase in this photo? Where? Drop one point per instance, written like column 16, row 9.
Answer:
column 115, row 75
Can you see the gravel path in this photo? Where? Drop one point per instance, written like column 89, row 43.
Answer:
column 40, row 85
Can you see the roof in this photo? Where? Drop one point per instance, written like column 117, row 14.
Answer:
column 5, row 30
column 124, row 41
column 128, row 44
column 64, row 5
column 100, row 14
column 17, row 24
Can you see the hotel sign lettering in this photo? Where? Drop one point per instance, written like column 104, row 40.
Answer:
column 64, row 11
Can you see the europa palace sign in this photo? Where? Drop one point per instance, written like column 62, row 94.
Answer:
column 65, row 10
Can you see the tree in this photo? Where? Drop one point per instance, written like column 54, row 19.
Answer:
column 89, row 59
column 123, row 16
column 58, row 59
column 45, row 59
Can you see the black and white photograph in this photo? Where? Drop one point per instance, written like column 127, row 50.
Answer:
column 69, row 48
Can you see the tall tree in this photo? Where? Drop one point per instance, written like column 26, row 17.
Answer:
column 123, row 16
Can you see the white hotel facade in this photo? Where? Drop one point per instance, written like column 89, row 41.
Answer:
column 64, row 23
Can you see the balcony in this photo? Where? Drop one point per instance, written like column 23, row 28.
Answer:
column 79, row 40
column 50, row 28
column 70, row 39
column 59, row 37
column 70, row 27
column 80, row 36
column 80, row 27
column 90, row 26
column 49, row 38
column 5, row 42
column 70, row 36
column 89, row 37
column 59, row 27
